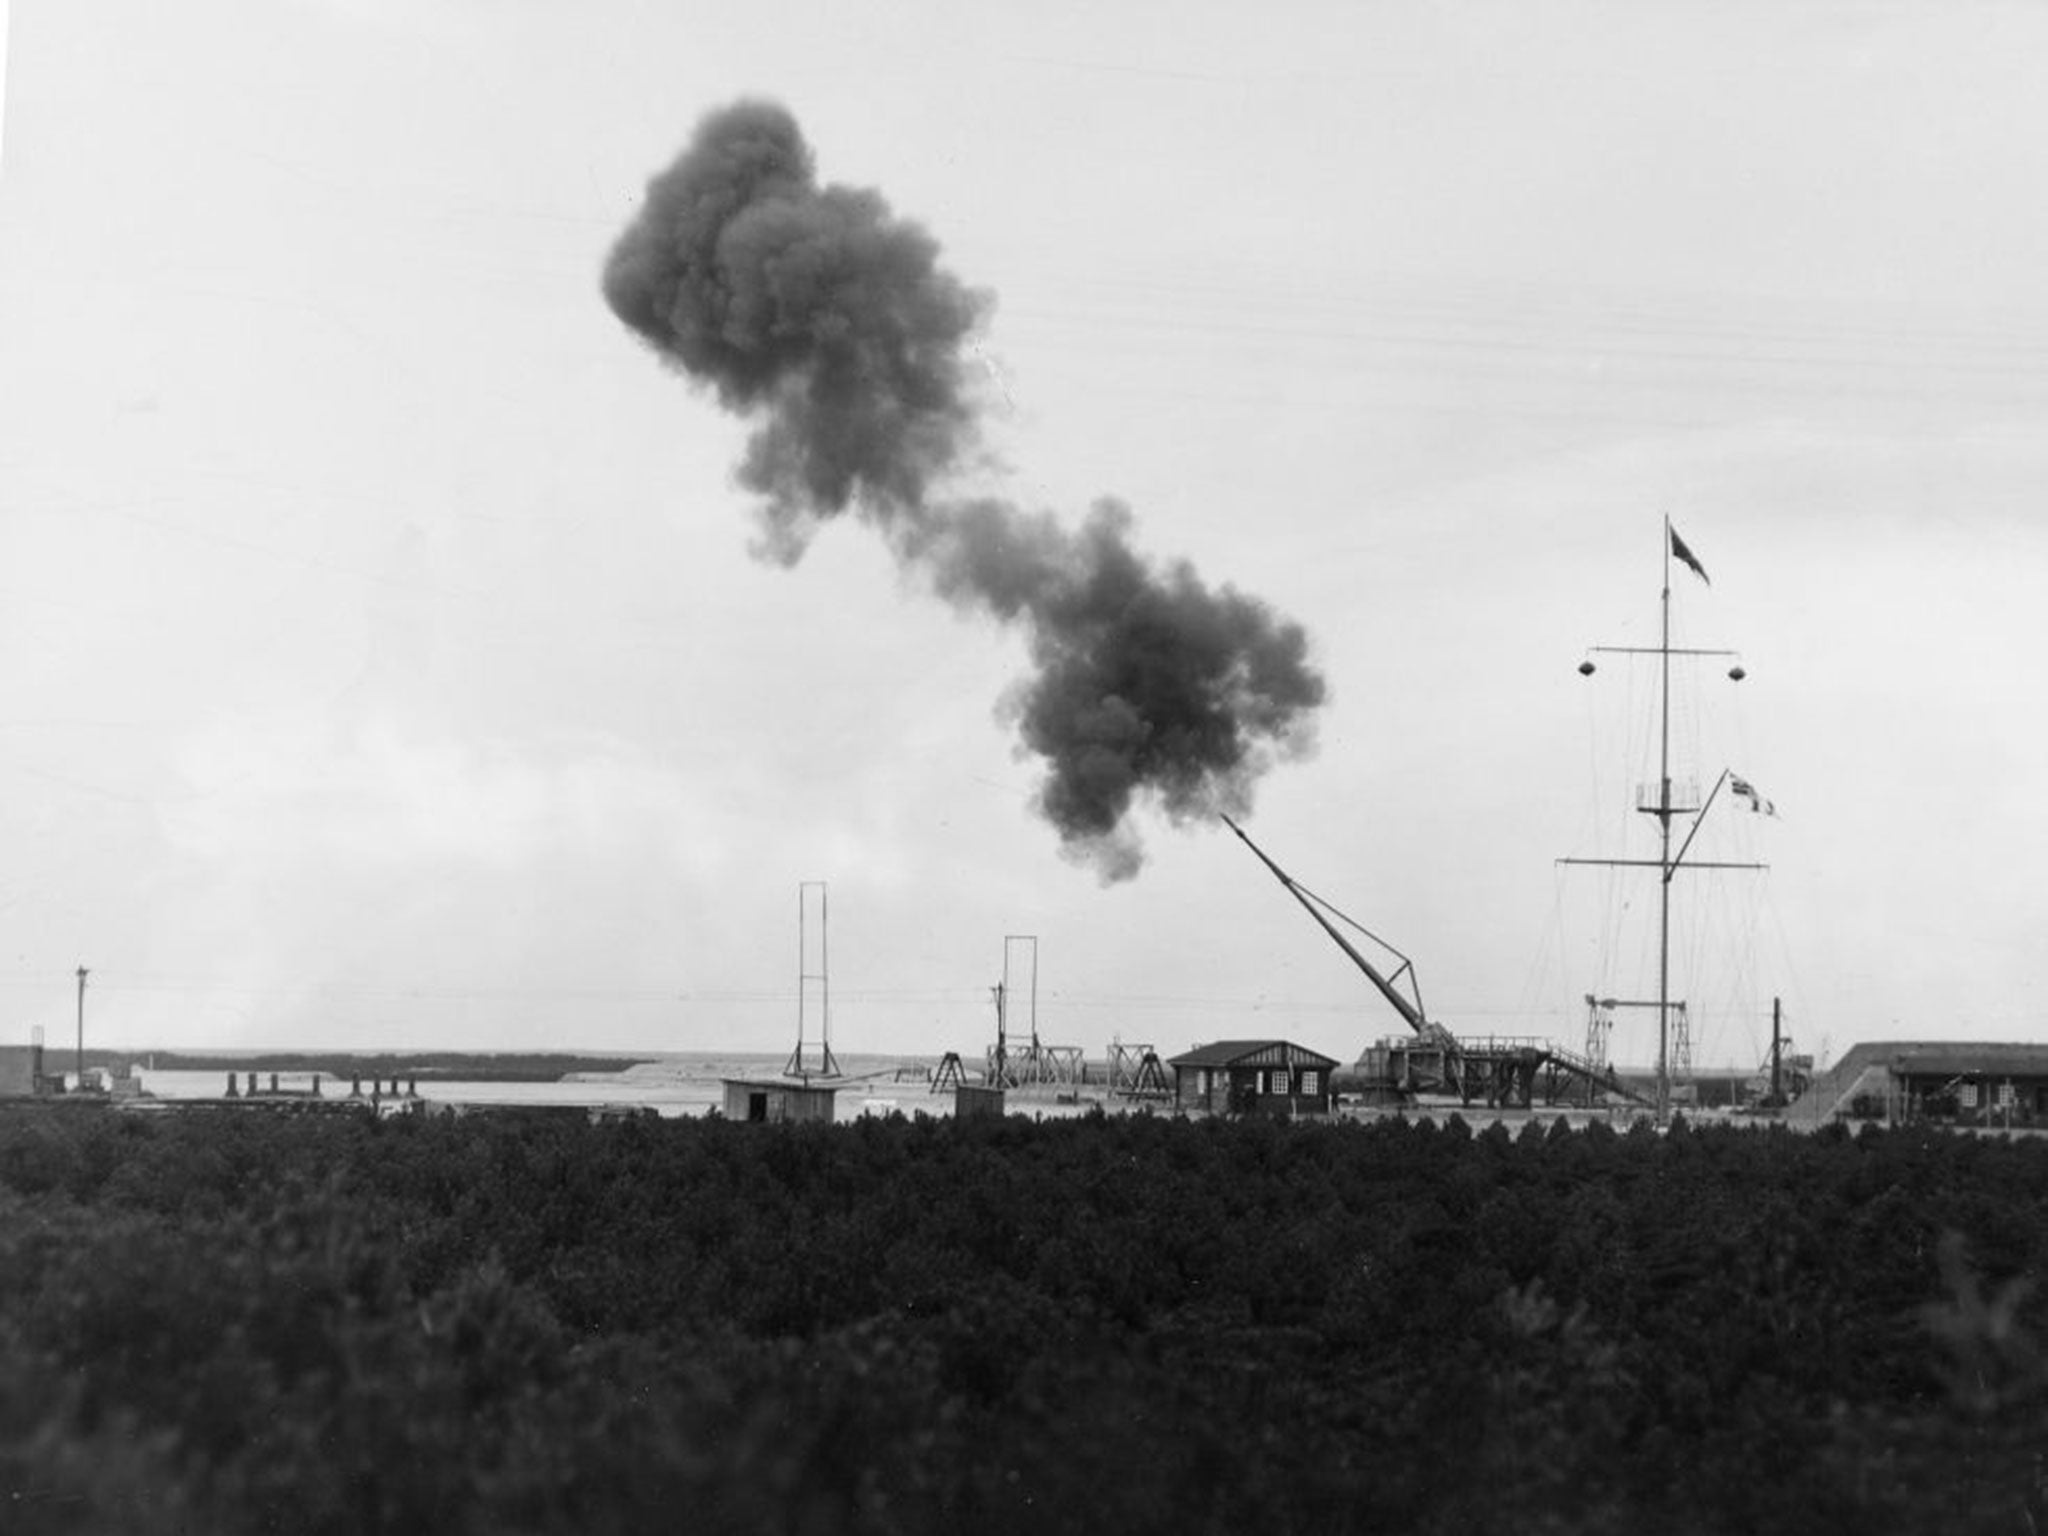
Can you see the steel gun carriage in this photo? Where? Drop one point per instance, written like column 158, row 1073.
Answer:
column 1500, row 1072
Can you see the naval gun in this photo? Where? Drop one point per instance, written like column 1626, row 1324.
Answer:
column 1500, row 1072
column 1434, row 1061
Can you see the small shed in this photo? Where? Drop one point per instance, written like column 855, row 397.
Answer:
column 1239, row 1077
column 779, row 1098
column 974, row 1100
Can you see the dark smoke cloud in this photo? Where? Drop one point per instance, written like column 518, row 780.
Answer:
column 826, row 320
column 813, row 309
column 1146, row 679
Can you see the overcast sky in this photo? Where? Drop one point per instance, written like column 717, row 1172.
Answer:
column 383, row 661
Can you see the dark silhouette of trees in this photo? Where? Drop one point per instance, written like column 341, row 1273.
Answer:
column 228, row 1322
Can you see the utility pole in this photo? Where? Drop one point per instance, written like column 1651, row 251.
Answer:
column 81, row 1027
column 1001, row 1074
column 1777, row 1056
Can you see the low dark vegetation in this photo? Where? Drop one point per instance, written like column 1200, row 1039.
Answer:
column 219, row 1323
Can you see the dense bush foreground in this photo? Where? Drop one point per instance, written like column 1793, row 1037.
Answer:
column 222, row 1323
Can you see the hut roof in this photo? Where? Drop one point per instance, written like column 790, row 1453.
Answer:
column 1940, row 1058
column 1253, row 1053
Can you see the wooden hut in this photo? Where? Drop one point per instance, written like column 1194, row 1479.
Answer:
column 1241, row 1077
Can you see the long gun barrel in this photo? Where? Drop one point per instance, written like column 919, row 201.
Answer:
column 1410, row 1011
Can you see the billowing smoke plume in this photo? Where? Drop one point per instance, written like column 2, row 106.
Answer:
column 813, row 309
column 827, row 321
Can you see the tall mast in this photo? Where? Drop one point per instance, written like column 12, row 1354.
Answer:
column 1664, row 849
column 1667, row 863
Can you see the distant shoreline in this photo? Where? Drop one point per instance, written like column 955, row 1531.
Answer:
column 463, row 1066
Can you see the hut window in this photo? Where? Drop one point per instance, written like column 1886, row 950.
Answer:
column 1967, row 1095
column 1276, row 1082
column 1311, row 1080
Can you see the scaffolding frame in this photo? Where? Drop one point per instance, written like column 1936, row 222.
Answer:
column 806, row 976
column 1600, row 1032
column 1136, row 1072
column 1038, row 1062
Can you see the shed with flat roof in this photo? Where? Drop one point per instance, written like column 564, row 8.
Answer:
column 973, row 1101
column 780, row 1098
column 1965, row 1082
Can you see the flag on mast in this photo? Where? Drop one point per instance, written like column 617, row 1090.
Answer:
column 1739, row 786
column 1678, row 548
